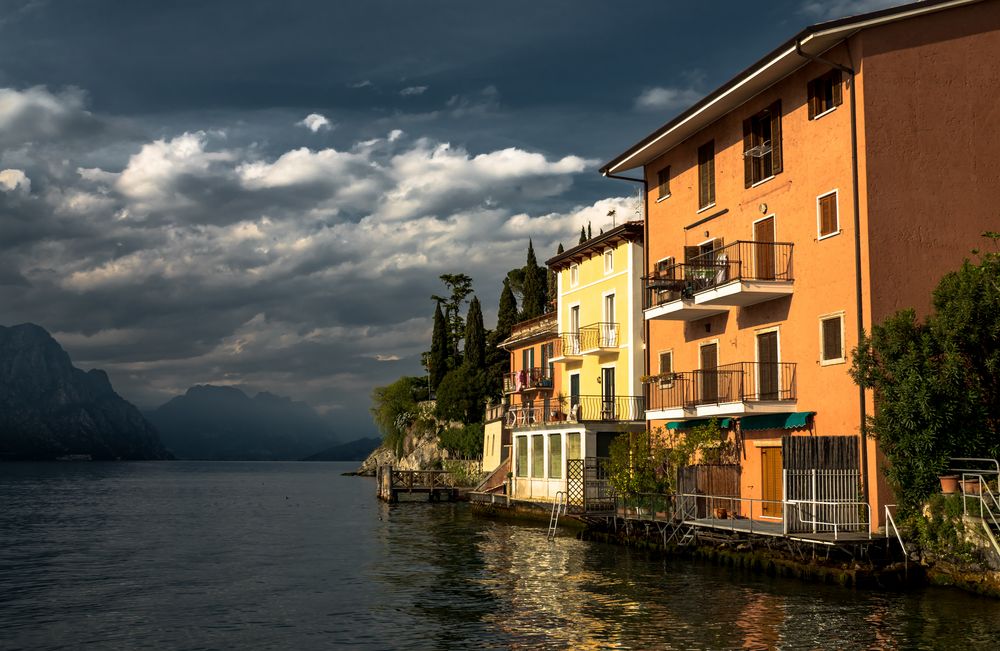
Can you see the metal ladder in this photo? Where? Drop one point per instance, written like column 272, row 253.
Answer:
column 559, row 504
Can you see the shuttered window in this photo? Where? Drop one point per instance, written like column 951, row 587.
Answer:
column 663, row 182
column 706, row 174
column 827, row 215
column 825, row 94
column 666, row 366
column 832, row 339
column 762, row 145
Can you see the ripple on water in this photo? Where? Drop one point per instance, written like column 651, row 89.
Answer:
column 285, row 555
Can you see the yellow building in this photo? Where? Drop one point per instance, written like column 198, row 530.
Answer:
column 598, row 356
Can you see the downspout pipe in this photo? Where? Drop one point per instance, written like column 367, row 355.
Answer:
column 645, row 258
column 859, row 308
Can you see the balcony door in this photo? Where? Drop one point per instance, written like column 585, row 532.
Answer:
column 709, row 373
column 574, row 330
column 763, row 235
column 768, row 387
column 574, row 395
column 608, row 338
column 608, row 393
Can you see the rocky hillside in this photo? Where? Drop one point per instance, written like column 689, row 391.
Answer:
column 49, row 408
column 224, row 423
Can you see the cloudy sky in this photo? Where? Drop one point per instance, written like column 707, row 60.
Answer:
column 265, row 193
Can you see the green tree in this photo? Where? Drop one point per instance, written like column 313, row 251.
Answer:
column 394, row 408
column 459, row 396
column 936, row 381
column 475, row 336
column 464, row 442
column 459, row 287
column 560, row 249
column 583, row 235
column 534, row 287
column 438, row 361
column 498, row 359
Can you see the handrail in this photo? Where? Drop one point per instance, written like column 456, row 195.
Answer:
column 984, row 507
column 836, row 526
column 891, row 521
column 996, row 465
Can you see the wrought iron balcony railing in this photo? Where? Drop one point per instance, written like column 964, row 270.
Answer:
column 527, row 378
column 588, row 339
column 577, row 409
column 737, row 382
column 741, row 260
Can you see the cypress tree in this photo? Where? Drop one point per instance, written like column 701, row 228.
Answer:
column 583, row 235
column 590, row 233
column 560, row 249
column 534, row 287
column 438, row 365
column 475, row 336
column 498, row 359
column 506, row 313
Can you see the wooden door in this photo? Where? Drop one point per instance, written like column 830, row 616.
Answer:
column 709, row 373
column 768, row 387
column 771, row 481
column 763, row 235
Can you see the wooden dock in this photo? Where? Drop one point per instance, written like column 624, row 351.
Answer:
column 396, row 485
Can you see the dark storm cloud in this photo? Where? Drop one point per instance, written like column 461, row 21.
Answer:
column 264, row 194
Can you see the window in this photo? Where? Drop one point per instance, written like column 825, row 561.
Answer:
column 574, row 275
column 706, row 174
column 827, row 217
column 663, row 182
column 666, row 366
column 825, row 94
column 762, row 145
column 609, row 261
column 831, row 344
column 663, row 265
column 537, row 456
column 555, row 456
column 573, row 446
column 522, row 456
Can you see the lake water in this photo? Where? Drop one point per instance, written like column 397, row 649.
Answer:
column 191, row 555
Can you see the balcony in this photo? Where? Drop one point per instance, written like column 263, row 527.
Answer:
column 527, row 379
column 593, row 339
column 581, row 409
column 742, row 388
column 738, row 275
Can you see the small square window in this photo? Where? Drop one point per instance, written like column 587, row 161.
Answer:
column 663, row 182
column 832, row 339
column 825, row 94
column 574, row 275
column 609, row 261
column 828, row 219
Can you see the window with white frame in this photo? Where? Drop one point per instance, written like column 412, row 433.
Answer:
column 574, row 275
column 827, row 215
column 609, row 261
column 831, row 339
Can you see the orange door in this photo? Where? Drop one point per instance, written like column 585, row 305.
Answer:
column 771, row 484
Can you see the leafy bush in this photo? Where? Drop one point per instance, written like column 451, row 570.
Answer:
column 464, row 442
column 638, row 463
column 460, row 396
column 394, row 408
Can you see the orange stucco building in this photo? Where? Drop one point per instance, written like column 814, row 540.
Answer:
column 828, row 185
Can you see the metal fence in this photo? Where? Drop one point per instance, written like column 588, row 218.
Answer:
column 824, row 501
column 588, row 488
column 736, row 382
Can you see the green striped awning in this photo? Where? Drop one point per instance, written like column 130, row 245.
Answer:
column 724, row 423
column 789, row 420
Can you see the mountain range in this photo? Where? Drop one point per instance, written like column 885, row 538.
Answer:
column 51, row 409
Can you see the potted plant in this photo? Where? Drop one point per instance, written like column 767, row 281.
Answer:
column 949, row 484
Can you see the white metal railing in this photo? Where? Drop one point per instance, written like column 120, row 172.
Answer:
column 955, row 464
column 837, row 526
column 743, row 519
column 988, row 508
column 890, row 521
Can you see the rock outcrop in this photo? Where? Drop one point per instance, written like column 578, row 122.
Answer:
column 50, row 409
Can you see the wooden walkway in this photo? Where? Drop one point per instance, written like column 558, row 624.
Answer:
column 415, row 485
